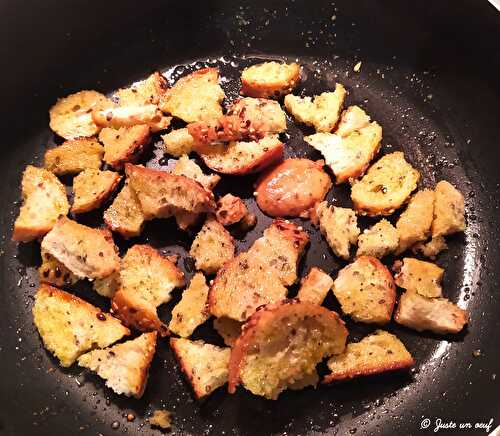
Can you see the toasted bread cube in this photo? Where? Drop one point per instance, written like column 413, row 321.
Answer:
column 414, row 224
column 107, row 286
column 386, row 186
column 125, row 367
column 69, row 326
column 212, row 247
column 264, row 115
column 437, row 315
column 269, row 79
column 71, row 116
column 192, row 310
column 74, row 156
column 125, row 144
column 431, row 248
column 418, row 276
column 353, row 118
column 230, row 210
column 44, row 200
column 229, row 329
column 147, row 279
column 195, row 97
column 189, row 168
column 54, row 272
column 348, row 156
column 322, row 112
column 374, row 354
column 240, row 157
column 261, row 357
column 315, row 286
column 340, row 227
column 92, row 188
column 178, row 142
column 366, row 291
column 204, row 365
column 161, row 194
column 86, row 252
column 148, row 91
column 449, row 210
column 379, row 240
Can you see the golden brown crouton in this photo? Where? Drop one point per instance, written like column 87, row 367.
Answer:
column 353, row 118
column 86, row 252
column 148, row 91
column 74, row 156
column 92, row 188
column 431, row 248
column 340, row 227
column 414, row 224
column 189, row 168
column 262, row 114
column 204, row 365
column 71, row 116
column 117, row 116
column 260, row 359
column 438, row 315
column 269, row 79
column 230, row 210
column 192, row 310
column 374, row 354
column 366, row 291
column 448, row 210
column 386, row 186
column 379, row 240
column 147, row 279
column 348, row 156
column 322, row 112
column 70, row 326
column 161, row 194
column 44, row 200
column 125, row 366
column 107, row 286
column 212, row 247
column 315, row 286
column 241, row 157
column 54, row 272
column 229, row 329
column 178, row 142
column 418, row 276
column 195, row 97
column 123, row 145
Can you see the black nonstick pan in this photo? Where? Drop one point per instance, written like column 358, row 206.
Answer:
column 430, row 75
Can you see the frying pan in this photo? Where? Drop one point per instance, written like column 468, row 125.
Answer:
column 429, row 76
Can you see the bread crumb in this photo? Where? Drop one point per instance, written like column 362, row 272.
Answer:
column 161, row 419
column 357, row 67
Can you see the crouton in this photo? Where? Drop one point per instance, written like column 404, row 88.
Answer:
column 263, row 115
column 260, row 358
column 125, row 216
column 258, row 276
column 86, row 252
column 147, row 279
column 54, row 272
column 230, row 210
column 352, row 119
column 192, row 310
column 161, row 419
column 322, row 112
column 340, row 227
column 204, row 365
column 437, row 315
column 125, row 367
column 195, row 97
column 92, row 188
column 107, row 286
column 269, row 79
column 189, row 168
column 44, row 200
column 241, row 157
column 431, row 248
column 292, row 188
column 161, row 194
column 386, row 186
column 229, row 329
column 366, row 291
column 123, row 145
column 379, row 240
column 74, row 156
column 348, row 156
column 374, row 354
column 71, row 116
column 69, row 326
column 414, row 224
column 418, row 276
column 148, row 91
column 315, row 286
column 178, row 142
column 448, row 210
column 212, row 247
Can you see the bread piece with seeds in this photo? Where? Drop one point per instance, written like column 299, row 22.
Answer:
column 189, row 168
column 431, row 248
column 231, row 210
column 353, row 118
column 178, row 142
column 315, row 286
column 74, row 156
column 148, row 91
column 418, row 276
column 92, row 188
column 269, row 79
column 107, row 286
column 379, row 240
column 229, row 329
column 449, row 210
column 117, row 116
column 54, row 272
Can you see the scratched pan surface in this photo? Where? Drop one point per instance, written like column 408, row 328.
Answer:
column 429, row 76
